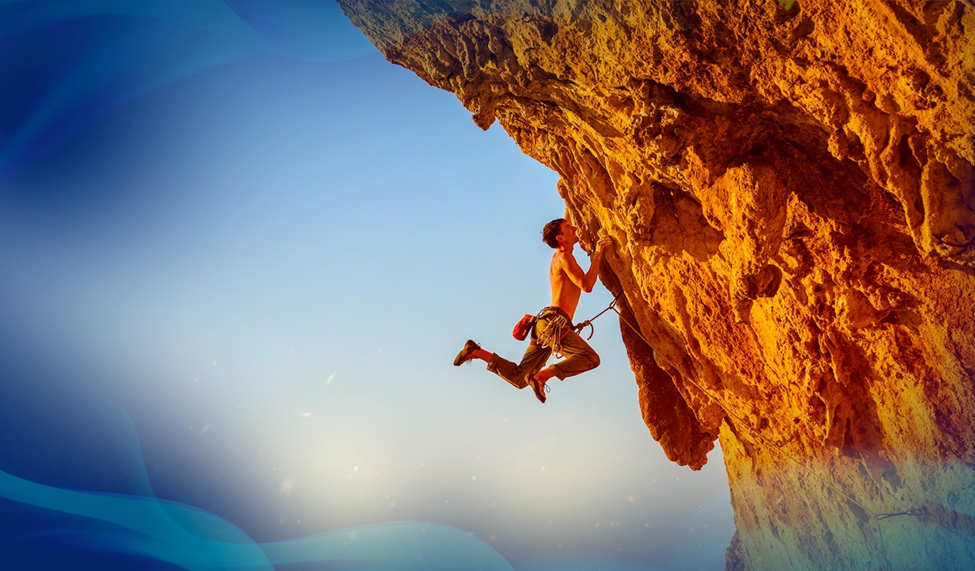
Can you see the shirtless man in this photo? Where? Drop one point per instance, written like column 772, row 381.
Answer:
column 553, row 329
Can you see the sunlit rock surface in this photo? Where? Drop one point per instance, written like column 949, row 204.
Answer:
column 789, row 187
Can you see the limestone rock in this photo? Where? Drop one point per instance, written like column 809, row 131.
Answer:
column 791, row 193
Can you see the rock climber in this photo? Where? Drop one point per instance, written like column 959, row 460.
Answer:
column 553, row 330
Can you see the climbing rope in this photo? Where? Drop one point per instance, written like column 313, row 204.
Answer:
column 588, row 323
column 917, row 512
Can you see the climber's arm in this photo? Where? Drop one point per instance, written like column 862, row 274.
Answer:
column 584, row 280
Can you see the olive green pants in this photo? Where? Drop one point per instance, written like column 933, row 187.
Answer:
column 552, row 328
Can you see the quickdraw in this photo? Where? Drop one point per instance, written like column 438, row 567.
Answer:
column 588, row 322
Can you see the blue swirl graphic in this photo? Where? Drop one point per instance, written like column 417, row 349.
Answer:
column 49, row 527
column 67, row 64
column 151, row 530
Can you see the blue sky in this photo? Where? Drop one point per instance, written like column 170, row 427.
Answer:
column 240, row 258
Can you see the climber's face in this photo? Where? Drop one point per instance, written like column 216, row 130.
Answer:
column 568, row 235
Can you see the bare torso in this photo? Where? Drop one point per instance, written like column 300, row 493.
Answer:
column 565, row 293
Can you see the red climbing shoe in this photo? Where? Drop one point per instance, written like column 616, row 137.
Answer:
column 466, row 354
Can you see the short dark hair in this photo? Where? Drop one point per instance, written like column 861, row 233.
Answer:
column 551, row 232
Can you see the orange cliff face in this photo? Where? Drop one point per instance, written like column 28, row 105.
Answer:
column 791, row 195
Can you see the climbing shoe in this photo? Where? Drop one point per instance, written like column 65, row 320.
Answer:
column 538, row 387
column 465, row 354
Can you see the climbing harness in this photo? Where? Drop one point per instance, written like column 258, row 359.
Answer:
column 557, row 324
column 878, row 517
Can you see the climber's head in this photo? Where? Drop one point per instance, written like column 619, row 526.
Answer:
column 559, row 232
